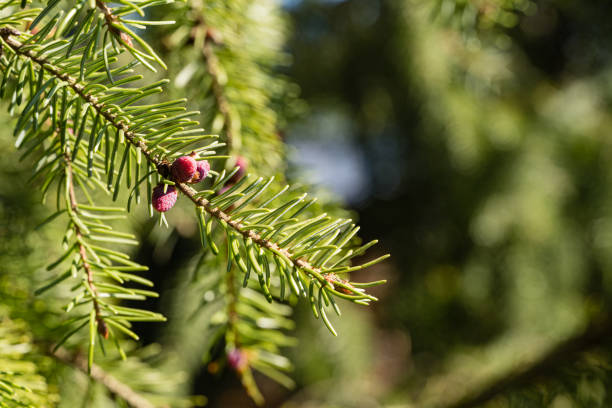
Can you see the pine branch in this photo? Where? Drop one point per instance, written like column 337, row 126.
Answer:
column 115, row 24
column 307, row 252
column 326, row 278
column 118, row 317
column 254, row 330
column 79, row 89
column 245, row 94
column 212, row 67
column 69, row 103
column 101, row 325
column 114, row 386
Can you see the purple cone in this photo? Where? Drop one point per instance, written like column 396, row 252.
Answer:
column 183, row 169
column 203, row 167
column 161, row 201
column 242, row 165
column 237, row 359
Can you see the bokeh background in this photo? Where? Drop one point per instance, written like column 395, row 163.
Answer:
column 472, row 138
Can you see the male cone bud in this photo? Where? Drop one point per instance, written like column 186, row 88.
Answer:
column 237, row 359
column 202, row 169
column 161, row 201
column 183, row 169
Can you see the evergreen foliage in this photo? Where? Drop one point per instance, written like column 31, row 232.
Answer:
column 476, row 132
column 99, row 135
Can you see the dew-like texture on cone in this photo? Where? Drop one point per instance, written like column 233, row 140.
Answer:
column 203, row 167
column 162, row 202
column 184, row 168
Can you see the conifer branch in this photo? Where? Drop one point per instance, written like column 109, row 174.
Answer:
column 329, row 280
column 240, row 55
column 102, row 328
column 307, row 252
column 102, row 314
column 114, row 386
column 79, row 113
column 110, row 20
column 131, row 138
column 108, row 15
column 248, row 233
column 212, row 68
column 79, row 89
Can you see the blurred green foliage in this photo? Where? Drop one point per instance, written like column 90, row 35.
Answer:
column 483, row 128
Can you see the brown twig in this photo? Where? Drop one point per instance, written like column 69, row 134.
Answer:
column 212, row 67
column 111, row 20
column 108, row 14
column 102, row 327
column 113, row 385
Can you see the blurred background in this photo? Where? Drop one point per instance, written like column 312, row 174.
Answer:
column 472, row 138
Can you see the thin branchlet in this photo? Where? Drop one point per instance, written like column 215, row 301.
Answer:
column 96, row 372
column 108, row 15
column 110, row 20
column 212, row 68
column 212, row 37
column 102, row 328
column 319, row 274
